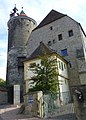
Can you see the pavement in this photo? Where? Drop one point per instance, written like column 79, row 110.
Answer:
column 10, row 112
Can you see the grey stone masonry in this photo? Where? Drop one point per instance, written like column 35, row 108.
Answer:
column 19, row 30
column 68, row 39
column 73, row 45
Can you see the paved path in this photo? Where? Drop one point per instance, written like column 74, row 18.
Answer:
column 9, row 112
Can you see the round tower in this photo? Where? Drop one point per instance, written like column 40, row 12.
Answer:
column 20, row 27
column 19, row 30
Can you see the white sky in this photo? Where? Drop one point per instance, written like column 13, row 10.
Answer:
column 36, row 9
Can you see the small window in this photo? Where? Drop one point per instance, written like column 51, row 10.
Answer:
column 64, row 52
column 65, row 81
column 62, row 67
column 51, row 28
column 70, row 65
column 32, row 65
column 59, row 64
column 27, row 24
column 60, row 36
column 65, row 66
column 49, row 43
column 54, row 41
column 70, row 32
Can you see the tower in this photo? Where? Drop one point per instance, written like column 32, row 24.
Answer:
column 20, row 27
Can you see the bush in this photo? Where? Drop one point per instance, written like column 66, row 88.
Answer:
column 2, row 82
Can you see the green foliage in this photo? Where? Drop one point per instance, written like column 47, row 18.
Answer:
column 45, row 75
column 2, row 82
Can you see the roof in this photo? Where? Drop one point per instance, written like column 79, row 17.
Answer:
column 79, row 25
column 52, row 16
column 22, row 13
column 82, row 29
column 39, row 51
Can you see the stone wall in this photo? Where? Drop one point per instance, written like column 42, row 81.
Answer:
column 61, row 26
column 3, row 96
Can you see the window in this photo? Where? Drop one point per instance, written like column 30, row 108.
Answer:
column 59, row 64
column 64, row 52
column 65, row 81
column 60, row 36
column 54, row 41
column 51, row 28
column 62, row 67
column 49, row 43
column 70, row 32
column 27, row 24
column 70, row 65
column 32, row 65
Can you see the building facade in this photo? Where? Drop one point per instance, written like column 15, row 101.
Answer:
column 60, row 33
column 67, row 37
column 62, row 71
column 46, row 103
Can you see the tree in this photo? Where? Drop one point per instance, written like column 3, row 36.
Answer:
column 2, row 82
column 45, row 75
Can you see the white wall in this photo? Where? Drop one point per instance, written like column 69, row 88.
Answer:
column 28, row 73
column 63, row 77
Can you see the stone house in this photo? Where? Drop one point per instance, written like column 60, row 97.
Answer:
column 60, row 33
column 67, row 37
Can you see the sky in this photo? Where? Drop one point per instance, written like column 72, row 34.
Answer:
column 36, row 9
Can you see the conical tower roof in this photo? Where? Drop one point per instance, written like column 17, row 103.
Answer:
column 22, row 13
